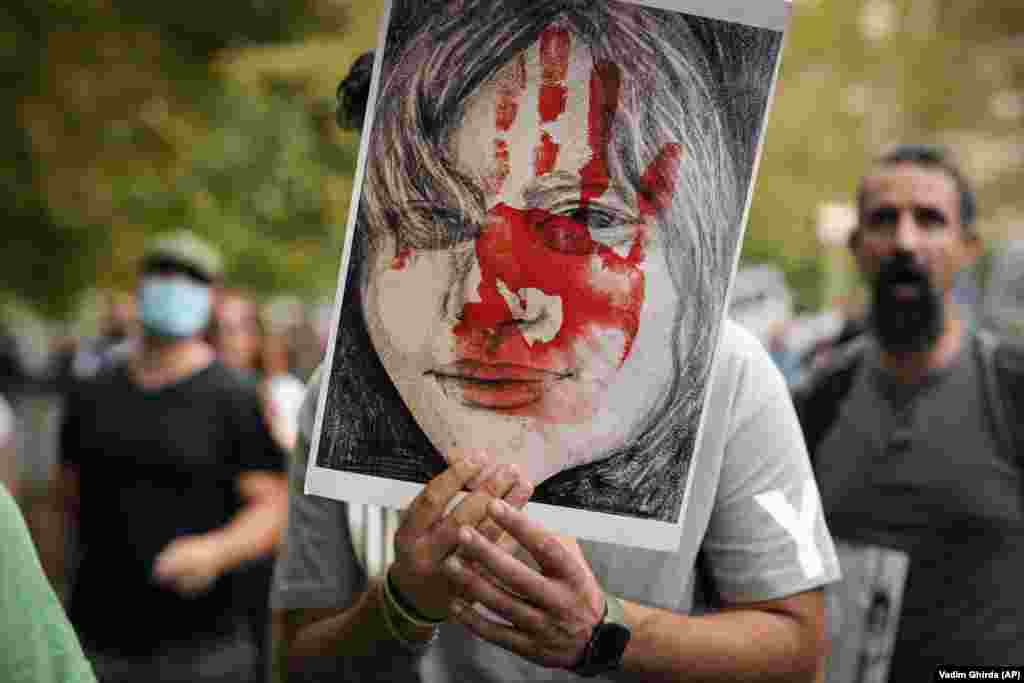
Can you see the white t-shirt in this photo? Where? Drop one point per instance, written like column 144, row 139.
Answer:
column 753, row 507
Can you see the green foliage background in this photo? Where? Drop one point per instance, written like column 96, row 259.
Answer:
column 125, row 118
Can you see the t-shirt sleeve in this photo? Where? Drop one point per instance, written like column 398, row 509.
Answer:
column 257, row 449
column 767, row 536
column 317, row 567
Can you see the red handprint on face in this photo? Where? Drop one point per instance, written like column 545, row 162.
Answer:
column 551, row 298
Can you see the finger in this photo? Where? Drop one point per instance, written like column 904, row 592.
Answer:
column 552, row 557
column 517, row 498
column 474, row 587
column 658, row 182
column 510, row 87
column 506, row 637
column 482, row 476
column 512, row 573
column 472, row 510
column 430, row 505
column 605, row 82
column 552, row 95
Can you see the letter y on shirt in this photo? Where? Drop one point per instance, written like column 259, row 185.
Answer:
column 799, row 525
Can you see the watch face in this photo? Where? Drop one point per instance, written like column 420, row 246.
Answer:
column 609, row 643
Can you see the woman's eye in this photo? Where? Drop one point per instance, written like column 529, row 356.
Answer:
column 605, row 228
column 565, row 234
column 582, row 230
column 594, row 219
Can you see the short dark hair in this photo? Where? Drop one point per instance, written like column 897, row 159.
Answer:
column 936, row 158
column 354, row 91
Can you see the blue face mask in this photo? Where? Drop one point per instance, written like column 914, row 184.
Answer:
column 173, row 306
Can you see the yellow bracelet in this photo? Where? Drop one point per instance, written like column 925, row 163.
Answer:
column 414, row 647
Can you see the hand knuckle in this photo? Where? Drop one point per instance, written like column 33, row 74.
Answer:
column 432, row 499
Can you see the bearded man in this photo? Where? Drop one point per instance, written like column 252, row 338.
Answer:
column 906, row 427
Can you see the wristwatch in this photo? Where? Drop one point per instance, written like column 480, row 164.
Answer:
column 607, row 643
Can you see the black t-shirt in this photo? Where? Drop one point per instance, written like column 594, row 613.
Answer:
column 155, row 465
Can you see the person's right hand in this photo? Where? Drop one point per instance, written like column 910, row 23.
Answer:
column 427, row 536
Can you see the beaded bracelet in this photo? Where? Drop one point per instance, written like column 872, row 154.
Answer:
column 408, row 612
column 413, row 647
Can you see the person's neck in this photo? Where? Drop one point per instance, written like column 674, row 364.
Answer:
column 162, row 361
column 912, row 367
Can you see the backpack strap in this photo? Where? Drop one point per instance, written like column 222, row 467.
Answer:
column 1002, row 375
column 818, row 398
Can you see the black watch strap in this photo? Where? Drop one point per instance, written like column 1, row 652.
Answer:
column 607, row 643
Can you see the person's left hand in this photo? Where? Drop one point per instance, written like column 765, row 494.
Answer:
column 552, row 613
column 188, row 565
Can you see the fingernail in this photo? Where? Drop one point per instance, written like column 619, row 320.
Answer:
column 498, row 507
column 465, row 535
column 454, row 564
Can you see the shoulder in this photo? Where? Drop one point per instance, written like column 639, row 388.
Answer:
column 744, row 377
column 833, row 376
column 222, row 380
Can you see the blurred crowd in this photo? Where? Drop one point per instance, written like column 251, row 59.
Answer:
column 275, row 341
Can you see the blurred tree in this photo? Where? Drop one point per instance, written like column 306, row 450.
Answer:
column 858, row 76
column 120, row 126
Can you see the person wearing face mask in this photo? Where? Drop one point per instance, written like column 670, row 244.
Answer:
column 170, row 471
column 912, row 426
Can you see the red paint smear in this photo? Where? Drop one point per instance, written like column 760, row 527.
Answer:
column 502, row 165
column 401, row 260
column 605, row 82
column 546, row 154
column 659, row 180
column 551, row 102
column 537, row 249
column 554, row 60
column 510, row 89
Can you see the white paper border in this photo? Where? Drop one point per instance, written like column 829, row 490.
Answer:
column 597, row 526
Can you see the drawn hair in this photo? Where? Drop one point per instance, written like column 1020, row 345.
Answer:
column 682, row 83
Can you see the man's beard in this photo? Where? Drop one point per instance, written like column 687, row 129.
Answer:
column 905, row 324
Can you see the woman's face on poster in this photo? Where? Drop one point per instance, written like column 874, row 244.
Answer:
column 547, row 337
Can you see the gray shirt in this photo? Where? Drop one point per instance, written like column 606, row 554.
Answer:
column 918, row 468
column 752, row 505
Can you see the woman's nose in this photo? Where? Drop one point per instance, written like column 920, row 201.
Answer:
column 464, row 286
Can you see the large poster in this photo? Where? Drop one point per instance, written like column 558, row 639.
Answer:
column 550, row 200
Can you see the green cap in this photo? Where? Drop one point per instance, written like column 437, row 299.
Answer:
column 183, row 248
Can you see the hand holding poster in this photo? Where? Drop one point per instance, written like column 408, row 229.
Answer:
column 550, row 201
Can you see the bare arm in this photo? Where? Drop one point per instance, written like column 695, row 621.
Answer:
column 58, row 511
column 256, row 529
column 555, row 610
column 777, row 640
column 192, row 563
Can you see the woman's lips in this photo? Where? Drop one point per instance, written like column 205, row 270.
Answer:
column 495, row 386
